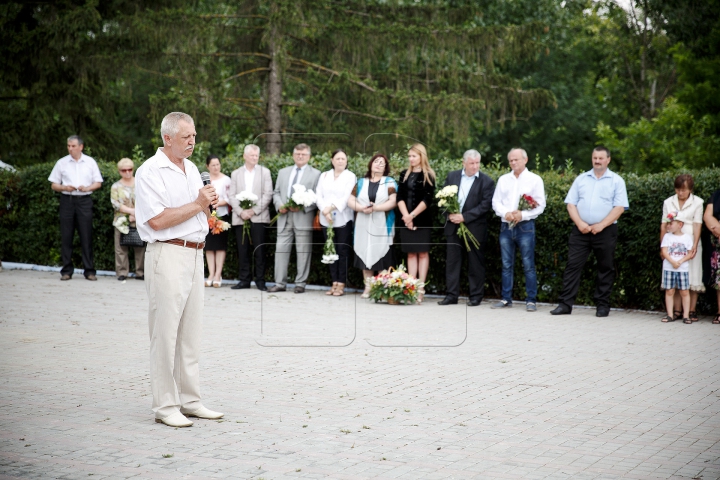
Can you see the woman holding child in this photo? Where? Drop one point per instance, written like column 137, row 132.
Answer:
column 690, row 212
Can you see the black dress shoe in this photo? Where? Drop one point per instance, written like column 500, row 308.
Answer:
column 261, row 286
column 121, row 278
column 240, row 286
column 448, row 301
column 561, row 309
column 139, row 277
column 473, row 303
column 602, row 311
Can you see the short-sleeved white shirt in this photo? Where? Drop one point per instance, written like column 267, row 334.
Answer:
column 81, row 173
column 160, row 184
column 678, row 247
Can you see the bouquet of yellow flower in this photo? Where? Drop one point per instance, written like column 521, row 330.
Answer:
column 394, row 285
column 449, row 200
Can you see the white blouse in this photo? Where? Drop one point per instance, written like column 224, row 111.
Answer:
column 222, row 187
column 335, row 191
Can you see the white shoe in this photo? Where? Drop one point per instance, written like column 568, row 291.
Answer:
column 177, row 419
column 202, row 412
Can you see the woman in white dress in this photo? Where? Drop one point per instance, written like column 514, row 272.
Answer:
column 690, row 211
column 333, row 191
column 216, row 244
column 374, row 198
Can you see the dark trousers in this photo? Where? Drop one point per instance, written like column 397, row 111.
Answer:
column 476, row 264
column 579, row 248
column 76, row 213
column 343, row 248
column 246, row 250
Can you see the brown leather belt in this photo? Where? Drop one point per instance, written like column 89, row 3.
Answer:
column 185, row 243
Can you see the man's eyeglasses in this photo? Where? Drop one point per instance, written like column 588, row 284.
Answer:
column 125, row 170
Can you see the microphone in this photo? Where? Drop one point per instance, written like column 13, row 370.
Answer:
column 205, row 176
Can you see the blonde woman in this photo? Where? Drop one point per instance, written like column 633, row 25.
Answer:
column 416, row 190
column 122, row 196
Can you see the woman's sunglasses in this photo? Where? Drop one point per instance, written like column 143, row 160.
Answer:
column 125, row 170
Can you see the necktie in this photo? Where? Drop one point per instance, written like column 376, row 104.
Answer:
column 296, row 180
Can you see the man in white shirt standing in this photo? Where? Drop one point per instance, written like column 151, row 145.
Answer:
column 76, row 176
column 172, row 208
column 518, row 226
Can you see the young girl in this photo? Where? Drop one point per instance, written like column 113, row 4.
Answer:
column 676, row 251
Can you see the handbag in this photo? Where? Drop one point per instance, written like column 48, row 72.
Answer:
column 316, row 222
column 131, row 239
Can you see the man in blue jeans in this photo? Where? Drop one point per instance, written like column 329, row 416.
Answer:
column 518, row 225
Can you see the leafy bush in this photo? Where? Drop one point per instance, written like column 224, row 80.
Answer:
column 29, row 230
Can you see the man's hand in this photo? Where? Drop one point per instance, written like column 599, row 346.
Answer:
column 295, row 209
column 456, row 218
column 206, row 196
column 584, row 228
column 516, row 216
column 283, row 211
column 597, row 228
column 247, row 214
column 509, row 216
column 83, row 188
column 69, row 188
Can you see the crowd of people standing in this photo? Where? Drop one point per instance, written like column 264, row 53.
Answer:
column 364, row 214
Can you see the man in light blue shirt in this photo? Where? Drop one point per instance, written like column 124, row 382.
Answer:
column 595, row 201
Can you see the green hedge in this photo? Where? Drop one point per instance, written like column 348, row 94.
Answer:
column 29, row 230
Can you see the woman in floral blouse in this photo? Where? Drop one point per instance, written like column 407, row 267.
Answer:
column 122, row 196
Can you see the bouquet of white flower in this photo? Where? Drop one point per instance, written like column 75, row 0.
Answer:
column 122, row 224
column 329, row 253
column 247, row 200
column 301, row 198
column 449, row 200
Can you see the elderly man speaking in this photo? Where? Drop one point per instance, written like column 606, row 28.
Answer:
column 172, row 208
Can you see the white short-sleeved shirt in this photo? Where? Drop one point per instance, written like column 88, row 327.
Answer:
column 160, row 184
column 508, row 190
column 678, row 246
column 81, row 173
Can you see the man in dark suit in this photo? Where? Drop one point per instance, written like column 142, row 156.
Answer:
column 475, row 192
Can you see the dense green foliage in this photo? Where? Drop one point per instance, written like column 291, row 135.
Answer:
column 29, row 229
column 554, row 77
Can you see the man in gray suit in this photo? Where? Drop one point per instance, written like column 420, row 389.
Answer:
column 294, row 225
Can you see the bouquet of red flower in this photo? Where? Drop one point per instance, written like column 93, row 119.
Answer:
column 216, row 225
column 526, row 203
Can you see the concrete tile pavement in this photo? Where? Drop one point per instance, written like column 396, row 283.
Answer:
column 525, row 395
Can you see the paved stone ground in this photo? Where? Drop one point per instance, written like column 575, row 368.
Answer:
column 521, row 396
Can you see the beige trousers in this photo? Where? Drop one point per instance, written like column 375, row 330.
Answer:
column 174, row 283
column 122, row 258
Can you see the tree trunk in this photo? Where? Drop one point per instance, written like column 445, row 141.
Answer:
column 274, row 98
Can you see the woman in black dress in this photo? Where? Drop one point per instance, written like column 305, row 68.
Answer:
column 416, row 190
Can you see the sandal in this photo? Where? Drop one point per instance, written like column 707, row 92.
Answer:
column 332, row 289
column 687, row 321
column 217, row 284
column 693, row 317
column 677, row 314
column 420, row 296
column 366, row 293
column 340, row 290
column 716, row 320
column 667, row 319
column 208, row 283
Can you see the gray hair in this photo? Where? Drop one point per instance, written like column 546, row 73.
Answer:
column 523, row 152
column 76, row 137
column 171, row 123
column 252, row 147
column 302, row 146
column 472, row 153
